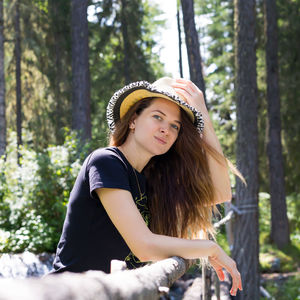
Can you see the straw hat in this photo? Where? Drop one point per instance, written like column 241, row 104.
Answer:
column 123, row 99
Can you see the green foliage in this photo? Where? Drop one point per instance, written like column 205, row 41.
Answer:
column 46, row 61
column 217, row 38
column 285, row 289
column 107, row 55
column 45, row 68
column 289, row 77
column 222, row 241
column 293, row 208
column 34, row 194
column 289, row 256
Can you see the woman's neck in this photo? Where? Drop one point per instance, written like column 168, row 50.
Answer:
column 134, row 155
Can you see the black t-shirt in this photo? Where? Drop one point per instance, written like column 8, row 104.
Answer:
column 89, row 240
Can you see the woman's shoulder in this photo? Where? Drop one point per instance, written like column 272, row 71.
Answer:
column 105, row 152
column 105, row 156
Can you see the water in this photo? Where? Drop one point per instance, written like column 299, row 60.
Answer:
column 25, row 265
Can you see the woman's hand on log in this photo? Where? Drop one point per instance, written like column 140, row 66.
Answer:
column 220, row 260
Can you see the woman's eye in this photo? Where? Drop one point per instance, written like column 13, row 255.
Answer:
column 157, row 117
column 175, row 126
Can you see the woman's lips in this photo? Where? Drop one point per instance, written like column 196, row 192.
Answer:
column 161, row 141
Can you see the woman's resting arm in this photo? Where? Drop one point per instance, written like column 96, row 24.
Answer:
column 148, row 246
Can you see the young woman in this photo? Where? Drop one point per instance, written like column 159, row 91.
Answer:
column 147, row 196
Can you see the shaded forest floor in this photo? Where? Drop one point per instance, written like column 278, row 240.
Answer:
column 282, row 286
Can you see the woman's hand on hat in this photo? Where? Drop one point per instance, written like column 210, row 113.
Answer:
column 190, row 93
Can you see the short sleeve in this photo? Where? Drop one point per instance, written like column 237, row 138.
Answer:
column 107, row 170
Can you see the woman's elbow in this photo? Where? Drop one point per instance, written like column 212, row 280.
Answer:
column 140, row 247
column 147, row 250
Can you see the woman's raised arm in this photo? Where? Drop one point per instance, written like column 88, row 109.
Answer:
column 148, row 246
column 219, row 173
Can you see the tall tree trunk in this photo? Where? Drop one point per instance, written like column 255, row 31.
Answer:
column 126, row 43
column 246, row 242
column 81, row 114
column 196, row 75
column 59, row 72
column 18, row 73
column 279, row 219
column 179, row 41
column 2, row 86
column 192, row 44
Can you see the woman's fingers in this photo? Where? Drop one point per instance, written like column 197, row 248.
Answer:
column 190, row 92
column 221, row 275
column 240, row 286
column 218, row 269
column 184, row 87
column 221, row 259
column 183, row 93
column 235, row 275
column 186, row 90
column 185, row 83
column 236, row 282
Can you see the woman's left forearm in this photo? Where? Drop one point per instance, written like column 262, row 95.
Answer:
column 219, row 172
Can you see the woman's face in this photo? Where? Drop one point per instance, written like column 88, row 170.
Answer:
column 157, row 127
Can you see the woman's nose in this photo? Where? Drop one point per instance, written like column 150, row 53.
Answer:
column 164, row 129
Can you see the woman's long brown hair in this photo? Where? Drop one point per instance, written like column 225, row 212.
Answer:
column 179, row 185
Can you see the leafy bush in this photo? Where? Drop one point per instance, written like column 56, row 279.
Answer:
column 289, row 256
column 34, row 193
column 284, row 289
column 293, row 208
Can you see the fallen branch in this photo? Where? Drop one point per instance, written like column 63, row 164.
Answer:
column 144, row 283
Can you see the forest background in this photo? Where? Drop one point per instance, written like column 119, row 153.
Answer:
column 44, row 139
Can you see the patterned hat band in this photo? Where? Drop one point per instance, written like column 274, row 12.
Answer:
column 125, row 98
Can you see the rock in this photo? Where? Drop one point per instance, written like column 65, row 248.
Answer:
column 25, row 265
column 275, row 265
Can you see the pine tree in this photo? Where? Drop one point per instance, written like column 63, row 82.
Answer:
column 179, row 40
column 126, row 44
column 289, row 74
column 18, row 73
column 246, row 245
column 107, row 52
column 279, row 220
column 192, row 44
column 2, row 86
column 219, row 67
column 81, row 119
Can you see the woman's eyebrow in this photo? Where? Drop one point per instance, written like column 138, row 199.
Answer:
column 165, row 115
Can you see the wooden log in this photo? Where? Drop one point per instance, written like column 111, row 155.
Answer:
column 117, row 265
column 143, row 283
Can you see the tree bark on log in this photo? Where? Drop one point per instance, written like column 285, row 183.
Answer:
column 81, row 114
column 2, row 86
column 279, row 221
column 246, row 244
column 139, row 284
